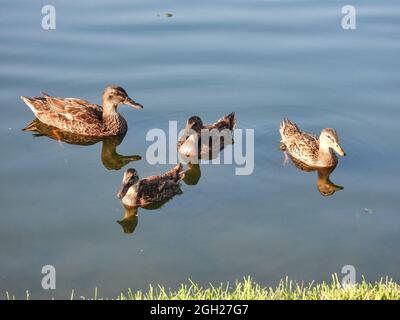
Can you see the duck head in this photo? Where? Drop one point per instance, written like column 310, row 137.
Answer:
column 194, row 123
column 113, row 96
column 329, row 139
column 130, row 178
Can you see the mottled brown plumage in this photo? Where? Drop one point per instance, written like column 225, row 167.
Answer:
column 205, row 141
column 152, row 189
column 307, row 148
column 82, row 117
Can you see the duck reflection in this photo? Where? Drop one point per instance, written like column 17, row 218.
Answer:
column 192, row 174
column 110, row 158
column 130, row 220
column 325, row 186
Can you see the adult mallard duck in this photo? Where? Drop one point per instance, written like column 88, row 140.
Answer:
column 82, row 117
column 199, row 140
column 307, row 148
column 135, row 192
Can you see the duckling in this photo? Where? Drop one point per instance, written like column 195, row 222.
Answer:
column 200, row 141
column 82, row 117
column 135, row 192
column 307, row 148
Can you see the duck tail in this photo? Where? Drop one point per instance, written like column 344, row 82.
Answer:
column 176, row 173
column 231, row 121
column 44, row 94
column 30, row 102
column 227, row 122
column 288, row 128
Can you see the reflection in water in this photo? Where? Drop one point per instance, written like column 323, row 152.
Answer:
column 109, row 156
column 325, row 186
column 192, row 174
column 130, row 220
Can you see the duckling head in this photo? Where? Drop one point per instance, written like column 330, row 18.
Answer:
column 194, row 123
column 115, row 95
column 329, row 139
column 130, row 178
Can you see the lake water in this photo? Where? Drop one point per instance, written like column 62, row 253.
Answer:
column 265, row 60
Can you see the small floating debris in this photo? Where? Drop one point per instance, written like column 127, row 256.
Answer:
column 368, row 211
column 167, row 15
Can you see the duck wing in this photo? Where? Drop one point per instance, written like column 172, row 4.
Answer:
column 158, row 187
column 304, row 147
column 70, row 114
column 288, row 129
column 73, row 108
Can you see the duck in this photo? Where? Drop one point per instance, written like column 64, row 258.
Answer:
column 135, row 192
column 83, row 117
column 201, row 141
column 309, row 149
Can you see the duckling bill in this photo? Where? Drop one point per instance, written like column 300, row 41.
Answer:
column 83, row 117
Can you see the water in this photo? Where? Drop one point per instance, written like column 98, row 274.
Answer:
column 265, row 60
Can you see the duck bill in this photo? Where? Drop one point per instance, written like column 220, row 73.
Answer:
column 130, row 102
column 122, row 191
column 340, row 151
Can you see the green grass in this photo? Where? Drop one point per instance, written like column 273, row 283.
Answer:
column 286, row 290
column 249, row 290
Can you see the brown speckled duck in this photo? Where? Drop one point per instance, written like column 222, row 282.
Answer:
column 309, row 149
column 82, row 117
column 135, row 192
column 198, row 140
